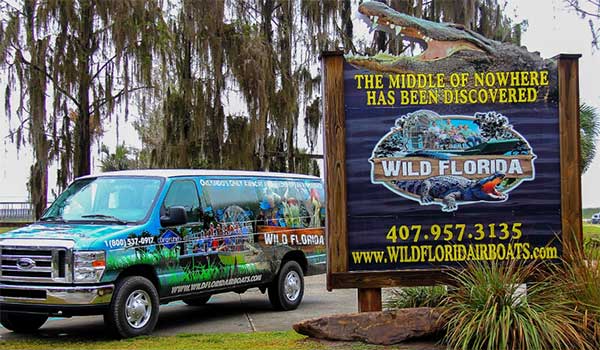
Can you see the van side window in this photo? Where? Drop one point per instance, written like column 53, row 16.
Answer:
column 185, row 194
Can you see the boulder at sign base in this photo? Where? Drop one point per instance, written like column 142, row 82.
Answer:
column 381, row 327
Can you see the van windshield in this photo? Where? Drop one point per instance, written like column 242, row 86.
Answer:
column 112, row 199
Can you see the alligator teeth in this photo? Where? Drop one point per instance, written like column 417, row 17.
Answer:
column 398, row 30
column 375, row 19
column 392, row 25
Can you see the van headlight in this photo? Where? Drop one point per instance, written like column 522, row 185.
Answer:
column 88, row 266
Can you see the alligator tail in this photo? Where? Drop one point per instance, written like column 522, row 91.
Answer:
column 412, row 186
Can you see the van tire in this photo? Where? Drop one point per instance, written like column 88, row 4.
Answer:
column 287, row 289
column 197, row 301
column 138, row 296
column 22, row 323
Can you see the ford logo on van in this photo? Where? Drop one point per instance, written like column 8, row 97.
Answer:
column 25, row 264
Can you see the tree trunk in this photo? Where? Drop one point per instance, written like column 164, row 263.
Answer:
column 38, row 176
column 82, row 125
column 38, row 179
column 287, row 83
column 262, row 133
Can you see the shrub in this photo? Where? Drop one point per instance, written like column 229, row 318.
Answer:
column 579, row 280
column 400, row 298
column 485, row 311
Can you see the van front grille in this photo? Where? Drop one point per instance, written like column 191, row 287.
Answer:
column 32, row 264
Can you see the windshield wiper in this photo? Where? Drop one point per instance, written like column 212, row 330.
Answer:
column 107, row 217
column 53, row 218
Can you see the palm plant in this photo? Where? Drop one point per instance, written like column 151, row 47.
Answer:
column 120, row 160
column 589, row 131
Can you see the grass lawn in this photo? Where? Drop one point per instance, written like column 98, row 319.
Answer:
column 590, row 230
column 218, row 341
column 4, row 229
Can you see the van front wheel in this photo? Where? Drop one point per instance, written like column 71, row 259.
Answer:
column 287, row 289
column 133, row 310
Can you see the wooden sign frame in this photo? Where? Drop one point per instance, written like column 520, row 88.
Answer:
column 369, row 283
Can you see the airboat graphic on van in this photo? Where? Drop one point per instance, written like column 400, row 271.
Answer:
column 452, row 160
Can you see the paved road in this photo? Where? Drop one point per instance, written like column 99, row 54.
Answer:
column 228, row 312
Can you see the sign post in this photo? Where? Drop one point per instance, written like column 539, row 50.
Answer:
column 568, row 83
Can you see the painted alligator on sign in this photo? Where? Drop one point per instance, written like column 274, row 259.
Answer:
column 460, row 49
column 450, row 189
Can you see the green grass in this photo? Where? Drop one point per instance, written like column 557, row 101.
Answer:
column 591, row 230
column 4, row 229
column 591, row 237
column 218, row 341
column 400, row 298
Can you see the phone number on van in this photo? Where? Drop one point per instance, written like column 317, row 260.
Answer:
column 129, row 242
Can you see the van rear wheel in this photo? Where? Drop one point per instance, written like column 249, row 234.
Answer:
column 133, row 310
column 287, row 289
column 22, row 323
column 197, row 301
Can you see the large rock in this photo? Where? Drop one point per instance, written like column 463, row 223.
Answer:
column 381, row 327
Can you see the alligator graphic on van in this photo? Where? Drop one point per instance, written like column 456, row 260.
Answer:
column 122, row 243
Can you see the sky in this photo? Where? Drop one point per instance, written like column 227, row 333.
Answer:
column 552, row 30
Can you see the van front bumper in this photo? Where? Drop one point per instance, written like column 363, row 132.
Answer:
column 69, row 296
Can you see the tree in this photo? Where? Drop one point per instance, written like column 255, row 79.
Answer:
column 590, row 10
column 87, row 56
column 257, row 55
column 590, row 130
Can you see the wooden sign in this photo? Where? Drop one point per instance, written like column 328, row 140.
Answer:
column 435, row 160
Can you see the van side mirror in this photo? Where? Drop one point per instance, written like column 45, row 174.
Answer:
column 174, row 216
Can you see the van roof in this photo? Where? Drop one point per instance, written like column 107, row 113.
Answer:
column 166, row 173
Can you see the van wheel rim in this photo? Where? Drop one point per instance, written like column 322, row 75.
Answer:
column 292, row 285
column 138, row 309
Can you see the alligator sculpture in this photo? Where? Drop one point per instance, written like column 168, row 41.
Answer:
column 450, row 189
column 452, row 46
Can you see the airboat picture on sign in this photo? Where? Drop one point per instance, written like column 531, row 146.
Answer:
column 452, row 160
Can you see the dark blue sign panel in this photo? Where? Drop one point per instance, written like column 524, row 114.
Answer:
column 446, row 168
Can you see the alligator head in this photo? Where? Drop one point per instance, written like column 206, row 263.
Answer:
column 487, row 189
column 441, row 40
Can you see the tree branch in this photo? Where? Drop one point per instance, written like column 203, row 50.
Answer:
column 100, row 103
column 51, row 78
column 575, row 5
column 13, row 132
column 103, row 67
column 108, row 62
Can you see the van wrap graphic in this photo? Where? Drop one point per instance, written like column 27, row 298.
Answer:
column 245, row 226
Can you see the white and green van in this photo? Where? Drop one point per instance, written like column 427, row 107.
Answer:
column 122, row 243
